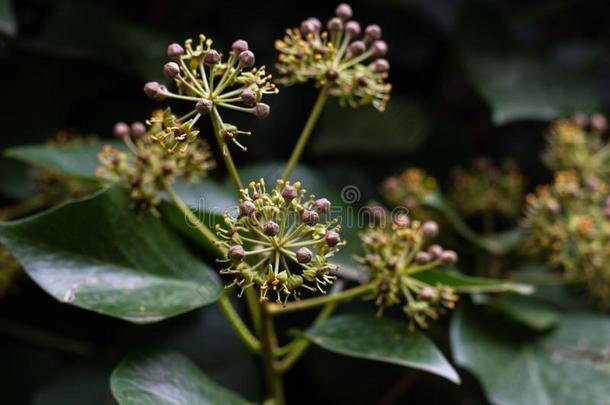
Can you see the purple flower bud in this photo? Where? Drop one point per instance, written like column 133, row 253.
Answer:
column 236, row 253
column 377, row 212
column 332, row 238
column 271, row 228
column 211, row 57
column 428, row 293
column 248, row 97
column 239, row 46
column 598, row 122
column 154, row 91
column 344, row 11
column 289, row 193
column 175, row 51
column 204, row 106
column 261, row 110
column 246, row 59
column 332, row 74
column 380, row 66
column 449, row 257
column 423, row 257
column 436, row 251
column 247, row 209
column 553, row 207
column 334, row 25
column 352, row 28
column 372, row 33
column 402, row 221
column 581, row 120
column 310, row 26
column 138, row 129
column 430, row 229
column 317, row 25
column 310, row 217
column 379, row 48
column 121, row 130
column 171, row 69
column 322, row 205
column 304, row 255
column 356, row 48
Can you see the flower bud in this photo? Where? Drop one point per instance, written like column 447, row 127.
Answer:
column 138, row 129
column 430, row 229
column 598, row 122
column 289, row 193
column 310, row 26
column 261, row 110
column 211, row 57
column 334, row 25
column 171, row 69
column 402, row 221
column 553, row 207
column 239, row 46
column 376, row 212
column 352, row 28
column 372, row 33
column 423, row 257
column 581, row 120
column 380, row 66
column 428, row 293
column 322, row 205
column 379, row 48
column 175, row 51
column 356, row 48
column 332, row 238
column 271, row 228
column 332, row 74
column 310, row 217
column 246, row 59
column 236, row 253
column 304, row 255
column 204, row 106
column 449, row 257
column 154, row 91
column 436, row 251
column 121, row 130
column 246, row 209
column 344, row 11
column 248, row 97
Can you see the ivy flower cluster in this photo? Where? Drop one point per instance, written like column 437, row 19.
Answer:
column 153, row 157
column 280, row 241
column 394, row 254
column 410, row 188
column 568, row 222
column 488, row 188
column 352, row 66
column 207, row 79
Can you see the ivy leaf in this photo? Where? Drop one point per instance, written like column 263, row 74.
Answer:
column 533, row 313
column 97, row 254
column 381, row 339
column 166, row 378
column 569, row 365
column 466, row 284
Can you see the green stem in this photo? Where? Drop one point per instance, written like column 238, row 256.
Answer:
column 269, row 347
column 309, row 303
column 240, row 327
column 224, row 150
column 305, row 134
column 253, row 304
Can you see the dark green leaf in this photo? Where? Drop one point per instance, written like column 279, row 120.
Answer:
column 166, row 378
column 531, row 312
column 570, row 365
column 97, row 254
column 8, row 25
column 467, row 284
column 383, row 340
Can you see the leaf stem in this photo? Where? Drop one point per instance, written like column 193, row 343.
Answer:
column 269, row 347
column 240, row 327
column 218, row 125
column 309, row 303
column 305, row 134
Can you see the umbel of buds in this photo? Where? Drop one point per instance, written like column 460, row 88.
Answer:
column 350, row 65
column 278, row 243
column 168, row 149
column 209, row 81
column 409, row 189
column 393, row 254
column 567, row 223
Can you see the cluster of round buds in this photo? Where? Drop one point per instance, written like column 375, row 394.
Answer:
column 394, row 254
column 339, row 57
column 409, row 189
column 149, row 162
column 487, row 188
column 209, row 81
column 280, row 241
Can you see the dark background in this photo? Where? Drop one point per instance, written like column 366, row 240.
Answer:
column 469, row 77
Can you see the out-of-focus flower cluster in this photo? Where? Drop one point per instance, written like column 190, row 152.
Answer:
column 487, row 188
column 394, row 254
column 156, row 155
column 208, row 81
column 568, row 221
column 280, row 241
column 409, row 189
column 351, row 67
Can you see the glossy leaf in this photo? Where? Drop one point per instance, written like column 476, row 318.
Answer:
column 381, row 339
column 466, row 284
column 99, row 255
column 527, row 310
column 569, row 365
column 166, row 378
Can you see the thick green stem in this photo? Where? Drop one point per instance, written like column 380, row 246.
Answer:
column 305, row 134
column 309, row 303
column 269, row 348
column 224, row 149
column 240, row 327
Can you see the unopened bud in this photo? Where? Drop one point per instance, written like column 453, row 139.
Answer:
column 261, row 110
column 344, row 11
column 154, row 91
column 356, row 48
column 247, row 209
column 428, row 293
column 175, row 51
column 332, row 238
column 138, row 129
column 379, row 48
column 246, row 59
column 380, row 66
column 352, row 28
column 204, row 106
column 372, row 33
column 422, row 257
column 598, row 122
column 248, row 97
column 430, row 229
column 436, row 251
column 171, row 69
column 449, row 257
column 304, row 255
column 271, row 228
column 236, row 253
column 289, row 193
column 121, row 130
column 334, row 25
column 310, row 217
column 322, row 205
column 239, row 46
column 211, row 57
